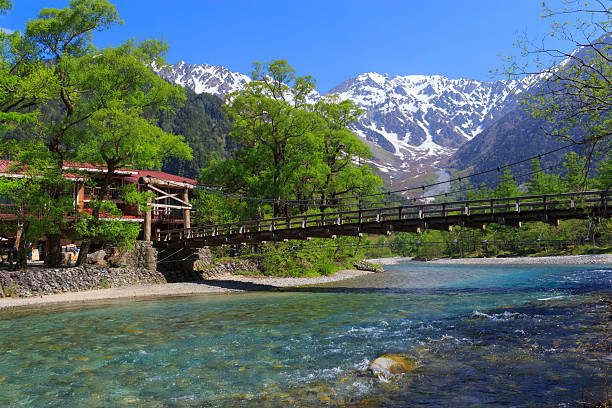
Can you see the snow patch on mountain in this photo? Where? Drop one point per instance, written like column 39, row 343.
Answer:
column 425, row 115
column 216, row 80
column 415, row 120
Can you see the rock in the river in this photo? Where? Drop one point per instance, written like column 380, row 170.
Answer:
column 366, row 266
column 388, row 366
column 97, row 258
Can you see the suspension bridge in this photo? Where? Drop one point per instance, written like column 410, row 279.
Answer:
column 511, row 211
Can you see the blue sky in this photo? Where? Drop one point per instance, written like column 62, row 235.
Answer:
column 332, row 40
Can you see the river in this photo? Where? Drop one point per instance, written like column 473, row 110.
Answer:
column 444, row 178
column 483, row 336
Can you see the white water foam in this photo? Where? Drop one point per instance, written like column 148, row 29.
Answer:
column 553, row 297
column 500, row 317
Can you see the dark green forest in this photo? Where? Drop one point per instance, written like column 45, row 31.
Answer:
column 205, row 127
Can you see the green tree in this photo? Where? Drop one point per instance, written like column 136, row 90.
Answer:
column 108, row 101
column 604, row 174
column 575, row 89
column 575, row 178
column 32, row 209
column 64, row 36
column 343, row 154
column 289, row 149
column 274, row 131
column 25, row 80
column 541, row 182
column 507, row 186
column 212, row 209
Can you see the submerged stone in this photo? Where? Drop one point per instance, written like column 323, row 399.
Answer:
column 388, row 366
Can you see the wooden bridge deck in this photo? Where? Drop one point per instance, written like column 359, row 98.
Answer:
column 512, row 211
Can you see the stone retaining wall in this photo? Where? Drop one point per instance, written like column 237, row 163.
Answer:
column 192, row 265
column 185, row 265
column 45, row 281
column 209, row 272
column 140, row 255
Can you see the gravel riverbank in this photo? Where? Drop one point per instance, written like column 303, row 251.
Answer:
column 223, row 284
column 289, row 282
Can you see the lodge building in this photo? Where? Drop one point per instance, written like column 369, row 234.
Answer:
column 170, row 203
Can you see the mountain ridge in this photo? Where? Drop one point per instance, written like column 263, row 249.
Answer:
column 412, row 123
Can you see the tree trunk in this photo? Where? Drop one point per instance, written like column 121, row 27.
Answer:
column 10, row 260
column 22, row 258
column 83, row 252
column 95, row 214
column 54, row 254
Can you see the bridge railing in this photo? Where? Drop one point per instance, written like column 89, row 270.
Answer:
column 443, row 210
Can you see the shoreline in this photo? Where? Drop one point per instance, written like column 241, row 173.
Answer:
column 220, row 285
column 229, row 284
column 596, row 259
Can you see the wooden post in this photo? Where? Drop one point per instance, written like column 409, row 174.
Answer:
column 147, row 220
column 187, row 211
column 80, row 197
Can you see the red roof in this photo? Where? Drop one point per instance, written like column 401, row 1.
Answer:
column 132, row 175
column 5, row 167
column 160, row 175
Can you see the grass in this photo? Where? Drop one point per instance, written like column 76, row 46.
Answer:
column 9, row 292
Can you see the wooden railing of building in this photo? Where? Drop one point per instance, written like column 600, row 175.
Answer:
column 511, row 211
column 174, row 191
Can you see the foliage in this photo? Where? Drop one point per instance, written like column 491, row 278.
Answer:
column 130, row 195
column 575, row 178
column 542, row 182
column 212, row 209
column 307, row 258
column 25, row 81
column 603, row 180
column 103, row 104
column 290, row 149
column 107, row 230
column 341, row 149
column 32, row 198
column 575, row 93
column 205, row 128
column 507, row 186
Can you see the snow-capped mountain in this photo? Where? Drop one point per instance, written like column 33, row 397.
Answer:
column 419, row 116
column 216, row 80
column 411, row 122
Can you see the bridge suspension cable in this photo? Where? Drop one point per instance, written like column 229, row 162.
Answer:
column 472, row 188
column 423, row 187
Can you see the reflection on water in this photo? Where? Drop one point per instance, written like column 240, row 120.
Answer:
column 484, row 335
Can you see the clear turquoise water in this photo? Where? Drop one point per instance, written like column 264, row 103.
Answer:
column 483, row 336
